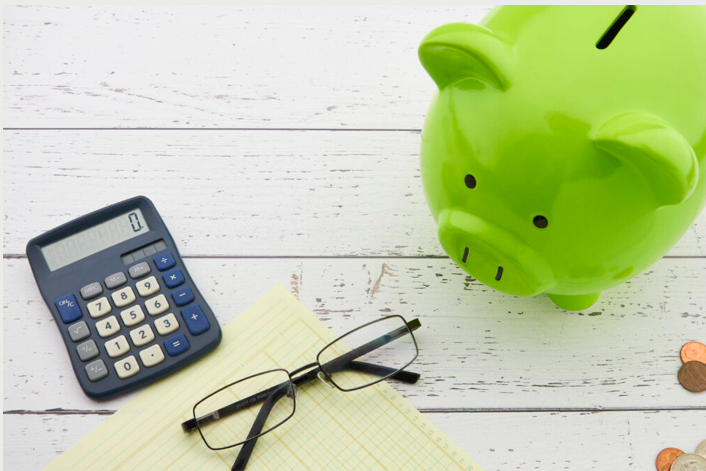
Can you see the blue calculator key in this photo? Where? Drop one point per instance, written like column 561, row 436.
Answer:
column 176, row 345
column 195, row 319
column 68, row 308
column 173, row 278
column 182, row 296
column 164, row 261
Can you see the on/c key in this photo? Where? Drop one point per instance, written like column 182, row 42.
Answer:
column 176, row 345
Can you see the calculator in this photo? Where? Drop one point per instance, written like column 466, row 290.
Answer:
column 122, row 298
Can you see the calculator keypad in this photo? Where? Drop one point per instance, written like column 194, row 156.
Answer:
column 147, row 286
column 108, row 327
column 157, row 305
column 132, row 316
column 117, row 346
column 132, row 302
column 142, row 335
column 127, row 367
column 99, row 308
column 123, row 297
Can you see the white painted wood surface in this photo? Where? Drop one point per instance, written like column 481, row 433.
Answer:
column 336, row 214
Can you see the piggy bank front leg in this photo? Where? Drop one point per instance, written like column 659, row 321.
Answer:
column 577, row 302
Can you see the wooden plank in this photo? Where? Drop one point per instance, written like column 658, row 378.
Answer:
column 226, row 66
column 497, row 441
column 288, row 193
column 480, row 349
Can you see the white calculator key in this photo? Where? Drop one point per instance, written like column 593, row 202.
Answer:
column 117, row 346
column 132, row 316
column 99, row 307
column 127, row 367
column 123, row 297
column 152, row 356
column 157, row 305
column 167, row 324
column 142, row 335
column 108, row 327
column 147, row 287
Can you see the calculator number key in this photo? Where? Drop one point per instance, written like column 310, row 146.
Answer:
column 79, row 331
column 68, row 308
column 152, row 356
column 142, row 336
column 123, row 297
column 87, row 350
column 117, row 346
column 108, row 327
column 99, row 307
column 157, row 305
column 127, row 367
column 96, row 370
column 167, row 324
column 147, row 287
column 132, row 316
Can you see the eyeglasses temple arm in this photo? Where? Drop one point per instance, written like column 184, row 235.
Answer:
column 244, row 456
column 378, row 370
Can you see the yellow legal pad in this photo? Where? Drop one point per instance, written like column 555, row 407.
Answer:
column 371, row 429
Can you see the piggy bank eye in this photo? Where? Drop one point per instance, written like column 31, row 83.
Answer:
column 470, row 181
column 540, row 221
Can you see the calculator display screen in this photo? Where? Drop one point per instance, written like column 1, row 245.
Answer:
column 94, row 239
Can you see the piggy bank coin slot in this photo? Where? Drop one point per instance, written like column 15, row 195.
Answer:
column 615, row 28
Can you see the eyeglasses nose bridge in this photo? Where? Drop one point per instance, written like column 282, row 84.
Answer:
column 324, row 379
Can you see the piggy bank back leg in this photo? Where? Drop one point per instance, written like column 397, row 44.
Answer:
column 576, row 302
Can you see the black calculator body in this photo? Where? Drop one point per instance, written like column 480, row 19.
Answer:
column 122, row 298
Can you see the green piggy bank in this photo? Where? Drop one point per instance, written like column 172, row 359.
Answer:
column 561, row 153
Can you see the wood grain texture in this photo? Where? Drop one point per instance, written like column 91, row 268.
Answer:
column 547, row 441
column 224, row 67
column 245, row 193
column 479, row 349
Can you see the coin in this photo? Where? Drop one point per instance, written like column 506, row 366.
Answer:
column 693, row 351
column 692, row 375
column 666, row 457
column 701, row 449
column 689, row 462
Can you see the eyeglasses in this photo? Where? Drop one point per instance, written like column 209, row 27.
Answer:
column 241, row 412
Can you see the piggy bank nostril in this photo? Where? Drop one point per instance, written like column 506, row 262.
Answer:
column 465, row 255
column 499, row 274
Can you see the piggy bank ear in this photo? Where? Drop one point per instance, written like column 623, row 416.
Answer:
column 656, row 150
column 460, row 50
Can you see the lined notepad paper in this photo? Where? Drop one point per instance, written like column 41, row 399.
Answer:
column 371, row 429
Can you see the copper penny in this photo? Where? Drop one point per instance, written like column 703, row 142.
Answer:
column 666, row 457
column 692, row 375
column 693, row 351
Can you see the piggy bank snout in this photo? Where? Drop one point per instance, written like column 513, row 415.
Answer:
column 493, row 255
